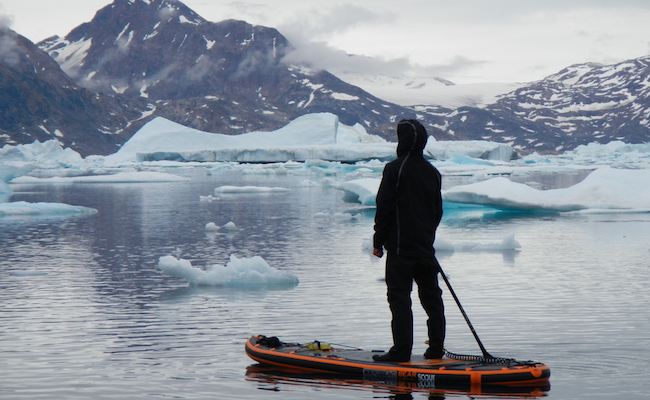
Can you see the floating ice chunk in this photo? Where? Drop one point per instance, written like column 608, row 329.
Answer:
column 180, row 268
column 231, row 226
column 23, row 208
column 363, row 191
column 249, row 189
column 254, row 271
column 208, row 199
column 345, row 216
column 211, row 227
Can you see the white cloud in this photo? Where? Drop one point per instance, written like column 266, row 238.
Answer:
column 9, row 50
column 461, row 40
column 319, row 23
column 6, row 21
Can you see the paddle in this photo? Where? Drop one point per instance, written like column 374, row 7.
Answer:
column 485, row 353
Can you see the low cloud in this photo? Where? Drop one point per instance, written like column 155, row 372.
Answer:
column 308, row 32
column 320, row 56
column 6, row 21
column 457, row 65
column 10, row 51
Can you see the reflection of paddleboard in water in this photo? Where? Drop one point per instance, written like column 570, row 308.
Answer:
column 469, row 371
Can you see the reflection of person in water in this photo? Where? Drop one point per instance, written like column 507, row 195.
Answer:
column 409, row 210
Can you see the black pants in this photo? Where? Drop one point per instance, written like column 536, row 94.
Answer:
column 400, row 273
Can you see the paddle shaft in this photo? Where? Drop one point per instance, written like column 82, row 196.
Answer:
column 485, row 353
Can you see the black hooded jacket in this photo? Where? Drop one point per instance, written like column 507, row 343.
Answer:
column 409, row 201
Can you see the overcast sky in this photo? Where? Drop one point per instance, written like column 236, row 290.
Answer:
column 464, row 41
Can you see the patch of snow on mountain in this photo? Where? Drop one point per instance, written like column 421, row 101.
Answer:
column 209, row 43
column 183, row 20
column 344, row 96
column 72, row 54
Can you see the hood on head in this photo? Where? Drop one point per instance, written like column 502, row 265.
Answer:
column 411, row 137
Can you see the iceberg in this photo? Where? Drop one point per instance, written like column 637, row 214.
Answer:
column 605, row 189
column 48, row 153
column 19, row 160
column 313, row 136
column 309, row 137
column 22, row 208
column 254, row 271
column 468, row 152
column 362, row 191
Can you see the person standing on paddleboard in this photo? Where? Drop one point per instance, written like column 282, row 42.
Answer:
column 409, row 210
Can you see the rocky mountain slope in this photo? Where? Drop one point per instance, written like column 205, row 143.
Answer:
column 40, row 102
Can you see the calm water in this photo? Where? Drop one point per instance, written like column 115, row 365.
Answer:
column 86, row 313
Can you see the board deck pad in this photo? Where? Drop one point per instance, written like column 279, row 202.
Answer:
column 318, row 357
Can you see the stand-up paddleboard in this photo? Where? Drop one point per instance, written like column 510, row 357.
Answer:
column 319, row 357
column 284, row 378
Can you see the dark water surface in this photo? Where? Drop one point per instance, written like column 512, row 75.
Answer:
column 86, row 313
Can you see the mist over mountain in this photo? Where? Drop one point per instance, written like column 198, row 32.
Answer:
column 139, row 59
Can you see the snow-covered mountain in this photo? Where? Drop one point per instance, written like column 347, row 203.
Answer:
column 227, row 77
column 38, row 101
column 581, row 104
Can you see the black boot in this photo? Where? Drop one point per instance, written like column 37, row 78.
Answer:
column 433, row 353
